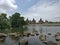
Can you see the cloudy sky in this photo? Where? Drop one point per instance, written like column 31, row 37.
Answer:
column 45, row 9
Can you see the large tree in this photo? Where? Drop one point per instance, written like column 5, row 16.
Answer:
column 17, row 21
column 3, row 21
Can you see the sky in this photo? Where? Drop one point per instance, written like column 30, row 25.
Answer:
column 45, row 9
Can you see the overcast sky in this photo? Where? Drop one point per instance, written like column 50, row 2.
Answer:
column 45, row 9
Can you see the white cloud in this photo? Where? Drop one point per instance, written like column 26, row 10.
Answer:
column 44, row 9
column 6, row 5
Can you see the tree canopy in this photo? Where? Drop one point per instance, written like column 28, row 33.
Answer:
column 3, row 22
column 14, row 21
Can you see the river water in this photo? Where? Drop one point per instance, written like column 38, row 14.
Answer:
column 34, row 40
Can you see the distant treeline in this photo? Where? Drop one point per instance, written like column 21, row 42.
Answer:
column 40, row 22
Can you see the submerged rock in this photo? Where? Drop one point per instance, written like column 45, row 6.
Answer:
column 42, row 37
column 26, row 33
column 57, row 34
column 49, row 33
column 45, row 42
column 32, row 34
column 23, row 42
column 2, row 36
column 51, row 43
column 14, row 35
column 57, row 38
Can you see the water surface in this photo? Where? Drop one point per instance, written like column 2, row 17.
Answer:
column 34, row 40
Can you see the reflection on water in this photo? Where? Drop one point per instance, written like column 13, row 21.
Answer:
column 45, row 29
column 34, row 40
column 9, row 41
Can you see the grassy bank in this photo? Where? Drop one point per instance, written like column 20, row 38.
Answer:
column 52, row 24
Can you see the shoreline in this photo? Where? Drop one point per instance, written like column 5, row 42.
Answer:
column 46, row 24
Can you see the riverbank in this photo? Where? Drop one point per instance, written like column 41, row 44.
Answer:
column 53, row 24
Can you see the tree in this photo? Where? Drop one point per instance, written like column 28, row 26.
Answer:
column 17, row 21
column 3, row 21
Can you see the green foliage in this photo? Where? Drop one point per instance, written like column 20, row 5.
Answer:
column 3, row 22
column 14, row 22
column 17, row 22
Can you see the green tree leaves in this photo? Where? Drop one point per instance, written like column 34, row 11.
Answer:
column 15, row 21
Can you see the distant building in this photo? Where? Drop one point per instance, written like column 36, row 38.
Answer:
column 27, row 21
column 46, row 21
column 41, row 21
column 33, row 21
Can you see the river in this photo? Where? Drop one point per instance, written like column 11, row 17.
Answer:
column 34, row 40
